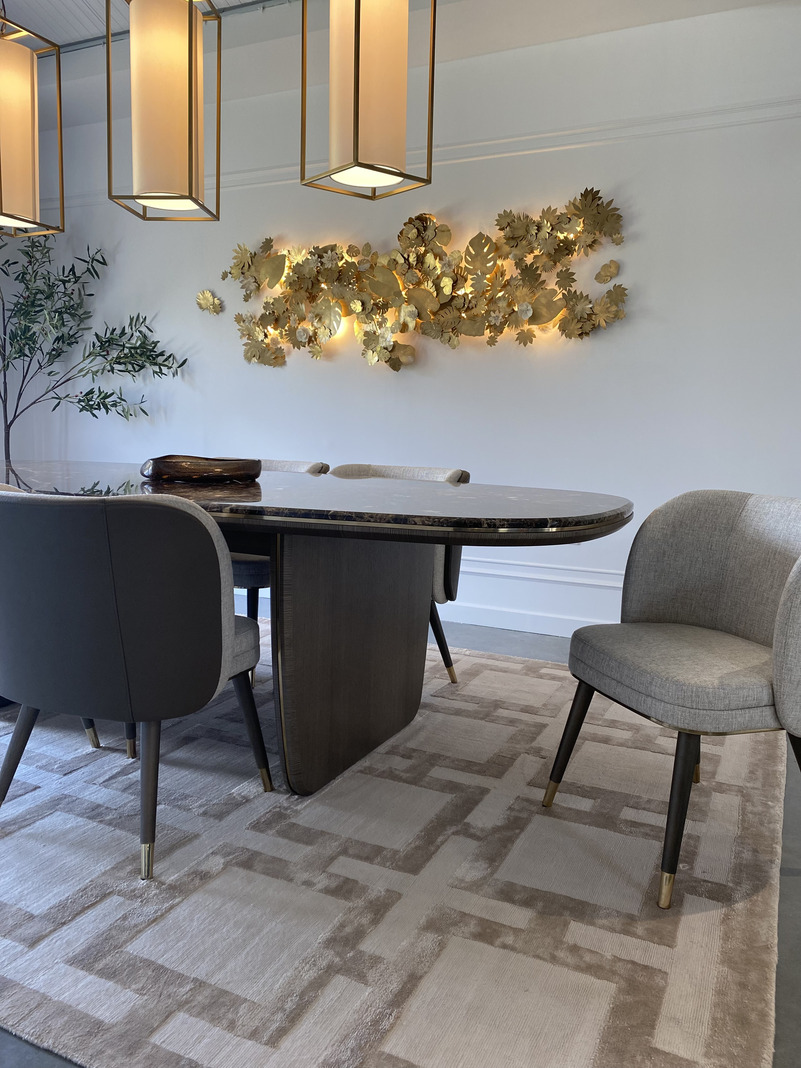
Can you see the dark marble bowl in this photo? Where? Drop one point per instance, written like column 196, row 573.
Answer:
column 200, row 469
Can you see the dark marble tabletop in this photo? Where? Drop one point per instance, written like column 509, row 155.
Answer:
column 471, row 514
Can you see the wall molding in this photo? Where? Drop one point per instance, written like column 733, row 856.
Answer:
column 529, row 571
column 604, row 133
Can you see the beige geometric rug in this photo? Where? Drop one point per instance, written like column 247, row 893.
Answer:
column 423, row 911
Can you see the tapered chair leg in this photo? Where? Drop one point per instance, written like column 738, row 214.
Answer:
column 130, row 741
column 244, row 693
column 16, row 747
column 91, row 732
column 688, row 752
column 148, row 793
column 795, row 742
column 575, row 721
column 253, row 613
column 439, row 634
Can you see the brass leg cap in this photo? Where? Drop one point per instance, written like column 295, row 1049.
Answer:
column 266, row 781
column 147, row 860
column 91, row 734
column 452, row 673
column 130, row 748
column 665, row 890
column 550, row 793
column 697, row 773
column 252, row 676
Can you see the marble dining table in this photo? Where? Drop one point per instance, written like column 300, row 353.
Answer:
column 351, row 576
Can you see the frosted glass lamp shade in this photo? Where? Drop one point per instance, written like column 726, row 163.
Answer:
column 19, row 136
column 31, row 159
column 383, row 48
column 378, row 76
column 163, row 148
column 167, row 103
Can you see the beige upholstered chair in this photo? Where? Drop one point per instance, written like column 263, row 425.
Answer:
column 447, row 558
column 124, row 605
column 709, row 640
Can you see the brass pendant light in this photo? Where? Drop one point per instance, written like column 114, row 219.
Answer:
column 372, row 78
column 167, row 180
column 21, row 52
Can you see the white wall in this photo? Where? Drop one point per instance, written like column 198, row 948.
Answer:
column 693, row 126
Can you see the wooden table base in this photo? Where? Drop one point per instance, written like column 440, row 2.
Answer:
column 349, row 634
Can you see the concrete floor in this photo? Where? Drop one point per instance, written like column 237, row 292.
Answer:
column 17, row 1054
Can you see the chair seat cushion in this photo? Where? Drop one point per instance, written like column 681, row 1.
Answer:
column 246, row 645
column 250, row 572
column 691, row 678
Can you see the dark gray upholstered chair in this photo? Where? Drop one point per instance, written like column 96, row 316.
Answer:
column 124, row 605
column 447, row 558
column 252, row 573
column 709, row 640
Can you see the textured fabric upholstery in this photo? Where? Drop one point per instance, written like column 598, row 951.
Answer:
column 246, row 649
column 447, row 558
column 710, row 638
column 302, row 467
column 686, row 677
column 787, row 654
column 250, row 572
column 149, row 579
column 714, row 558
column 253, row 572
column 413, row 474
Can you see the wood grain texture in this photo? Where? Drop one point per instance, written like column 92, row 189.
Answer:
column 350, row 624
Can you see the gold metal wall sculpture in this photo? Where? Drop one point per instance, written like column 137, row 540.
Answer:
column 379, row 56
column 21, row 53
column 520, row 280
column 169, row 88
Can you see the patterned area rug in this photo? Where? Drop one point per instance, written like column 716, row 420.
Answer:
column 423, row 911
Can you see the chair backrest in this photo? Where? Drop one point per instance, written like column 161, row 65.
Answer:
column 412, row 474
column 303, row 467
column 113, row 607
column 448, row 558
column 714, row 558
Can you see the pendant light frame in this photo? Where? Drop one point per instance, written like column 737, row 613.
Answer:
column 12, row 30
column 129, row 201
column 326, row 179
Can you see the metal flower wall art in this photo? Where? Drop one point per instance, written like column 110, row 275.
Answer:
column 521, row 280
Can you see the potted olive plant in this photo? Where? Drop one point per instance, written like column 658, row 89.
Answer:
column 49, row 352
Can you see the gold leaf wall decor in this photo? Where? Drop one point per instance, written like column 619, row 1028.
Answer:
column 518, row 280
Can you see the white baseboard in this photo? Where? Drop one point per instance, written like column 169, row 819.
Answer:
column 534, row 598
column 519, row 595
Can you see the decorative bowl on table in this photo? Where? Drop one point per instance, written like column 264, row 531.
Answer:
column 174, row 468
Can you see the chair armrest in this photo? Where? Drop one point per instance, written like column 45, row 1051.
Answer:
column 787, row 654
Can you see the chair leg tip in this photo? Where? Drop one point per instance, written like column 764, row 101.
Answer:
column 130, row 748
column 697, row 773
column 452, row 674
column 147, row 861
column 91, row 734
column 266, row 781
column 665, row 890
column 550, row 793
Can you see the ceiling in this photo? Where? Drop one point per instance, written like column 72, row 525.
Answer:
column 73, row 23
